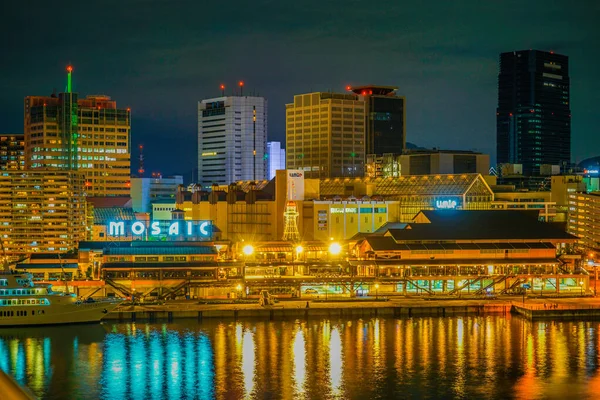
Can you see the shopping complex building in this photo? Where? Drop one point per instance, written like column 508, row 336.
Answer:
column 292, row 236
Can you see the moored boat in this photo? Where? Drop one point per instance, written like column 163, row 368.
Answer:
column 24, row 303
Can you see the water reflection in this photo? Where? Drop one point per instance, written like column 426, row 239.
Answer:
column 462, row 357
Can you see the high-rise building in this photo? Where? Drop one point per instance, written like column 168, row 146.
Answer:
column 145, row 191
column 41, row 211
column 232, row 139
column 533, row 116
column 386, row 119
column 91, row 135
column 584, row 219
column 12, row 151
column 275, row 158
column 325, row 135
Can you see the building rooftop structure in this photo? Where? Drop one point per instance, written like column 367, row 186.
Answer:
column 409, row 185
column 103, row 215
column 480, row 225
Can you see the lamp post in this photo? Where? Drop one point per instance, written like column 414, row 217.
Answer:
column 377, row 291
column 239, row 290
column 542, row 289
column 581, row 284
column 247, row 250
column 326, row 290
column 299, row 250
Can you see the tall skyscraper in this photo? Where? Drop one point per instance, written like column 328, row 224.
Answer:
column 533, row 116
column 386, row 119
column 232, row 140
column 41, row 211
column 325, row 135
column 12, row 151
column 275, row 158
column 91, row 135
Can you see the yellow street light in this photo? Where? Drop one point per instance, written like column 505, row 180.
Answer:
column 248, row 249
column 299, row 249
column 335, row 249
column 239, row 287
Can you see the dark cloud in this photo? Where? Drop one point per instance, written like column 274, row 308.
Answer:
column 161, row 57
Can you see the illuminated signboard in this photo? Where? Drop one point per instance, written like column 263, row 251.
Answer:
column 161, row 228
column 446, row 204
column 591, row 171
column 295, row 184
column 341, row 210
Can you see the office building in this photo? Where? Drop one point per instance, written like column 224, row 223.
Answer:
column 435, row 162
column 145, row 191
column 426, row 162
column 385, row 119
column 584, row 219
column 275, row 158
column 91, row 135
column 232, row 140
column 325, row 135
column 12, row 151
column 41, row 211
column 533, row 116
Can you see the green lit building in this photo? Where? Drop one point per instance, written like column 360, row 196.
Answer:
column 91, row 135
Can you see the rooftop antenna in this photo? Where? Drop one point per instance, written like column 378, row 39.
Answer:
column 141, row 159
column 69, row 71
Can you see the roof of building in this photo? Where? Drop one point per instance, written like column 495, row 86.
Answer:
column 458, row 261
column 164, row 200
column 481, row 225
column 115, row 201
column 437, row 151
column 162, row 251
column 387, row 243
column 103, row 215
column 101, row 245
column 53, row 256
column 46, row 265
column 166, row 264
column 413, row 185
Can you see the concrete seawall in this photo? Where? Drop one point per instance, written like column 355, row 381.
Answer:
column 276, row 313
column 558, row 314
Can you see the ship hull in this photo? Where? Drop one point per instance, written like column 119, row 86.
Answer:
column 57, row 314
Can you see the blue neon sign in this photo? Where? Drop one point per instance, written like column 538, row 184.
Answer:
column 446, row 204
column 160, row 228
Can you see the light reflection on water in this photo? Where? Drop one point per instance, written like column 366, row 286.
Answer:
column 459, row 357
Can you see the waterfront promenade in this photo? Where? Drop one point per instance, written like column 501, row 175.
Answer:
column 532, row 308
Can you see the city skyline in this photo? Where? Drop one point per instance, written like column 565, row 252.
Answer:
column 444, row 61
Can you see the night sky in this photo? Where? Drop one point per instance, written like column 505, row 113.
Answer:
column 161, row 57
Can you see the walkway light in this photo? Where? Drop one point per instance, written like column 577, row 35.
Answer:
column 335, row 249
column 248, row 249
column 239, row 287
column 299, row 249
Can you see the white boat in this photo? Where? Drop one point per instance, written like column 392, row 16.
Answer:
column 24, row 303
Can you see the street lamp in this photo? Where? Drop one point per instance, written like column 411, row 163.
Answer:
column 239, row 290
column 335, row 249
column 581, row 284
column 248, row 250
column 542, row 289
column 376, row 291
column 326, row 290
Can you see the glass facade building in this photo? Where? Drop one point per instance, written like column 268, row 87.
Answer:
column 533, row 115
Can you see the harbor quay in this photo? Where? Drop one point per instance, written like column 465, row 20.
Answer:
column 551, row 308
